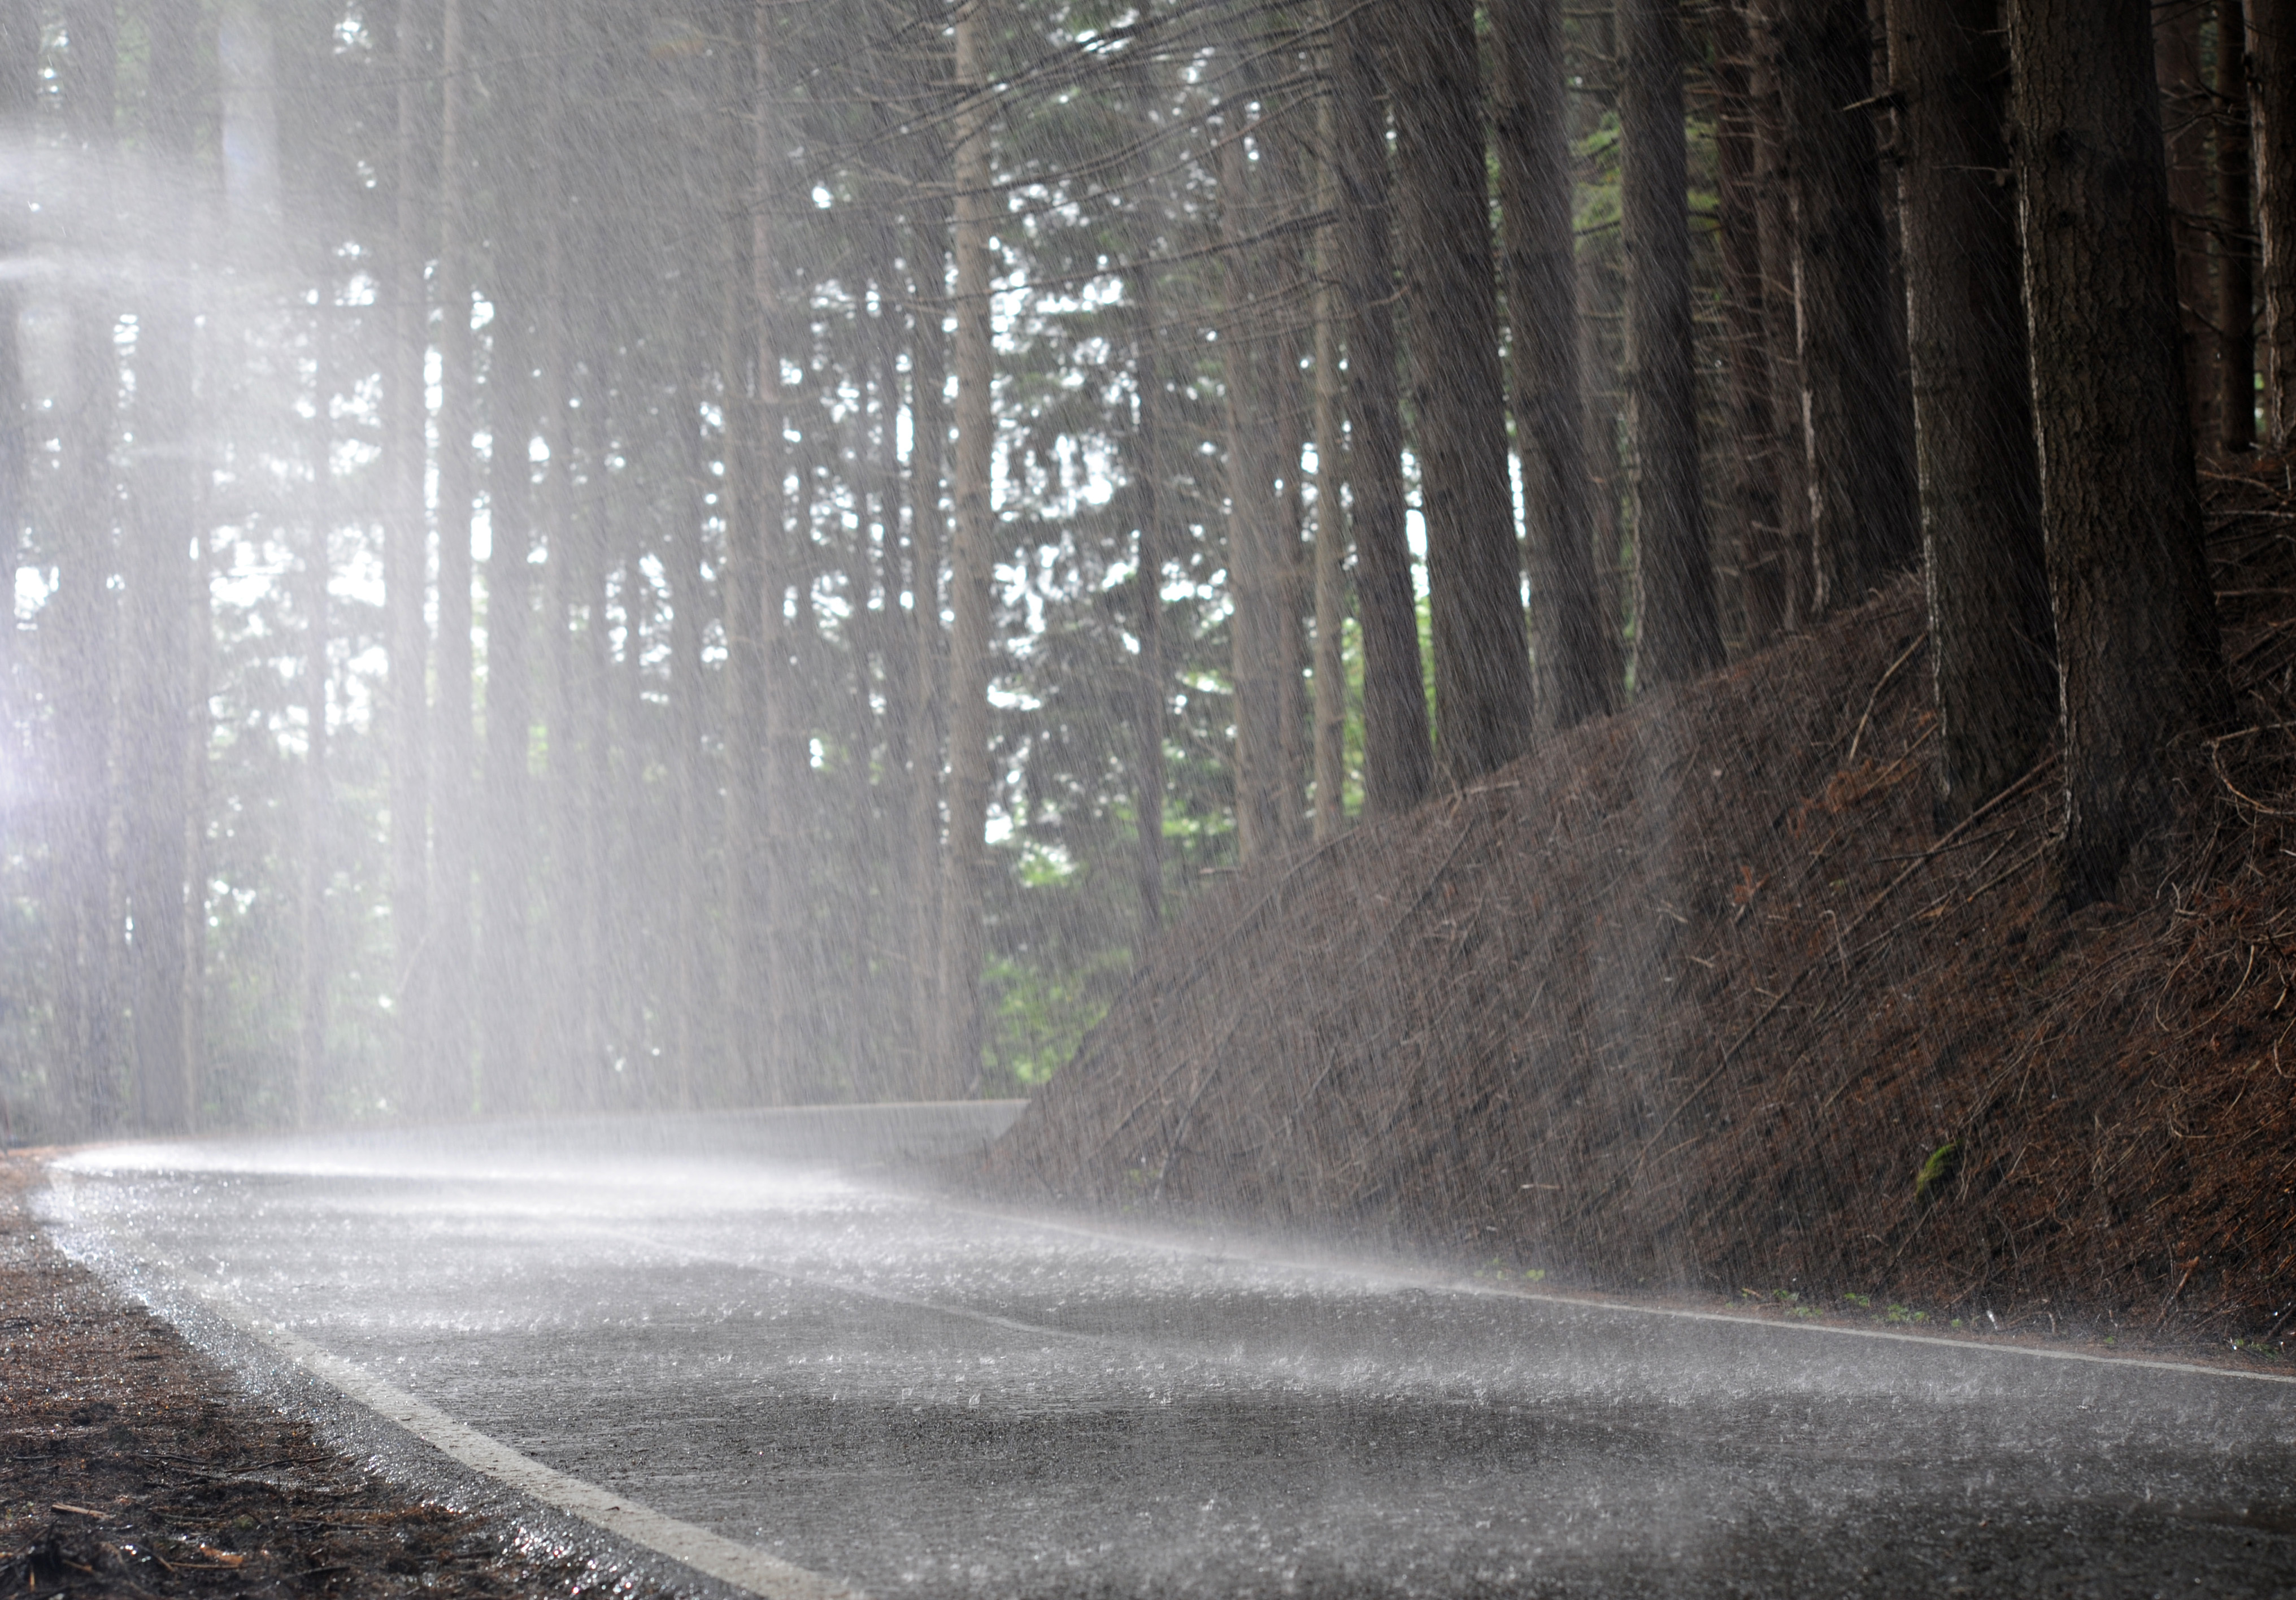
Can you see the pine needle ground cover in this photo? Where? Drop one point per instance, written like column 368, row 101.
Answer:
column 1698, row 997
column 133, row 1464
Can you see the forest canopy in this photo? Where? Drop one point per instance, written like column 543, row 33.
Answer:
column 575, row 555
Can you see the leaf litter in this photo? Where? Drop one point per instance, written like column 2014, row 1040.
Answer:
column 131, row 1465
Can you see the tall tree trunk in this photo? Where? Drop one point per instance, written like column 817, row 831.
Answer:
column 692, row 993
column 1483, row 707
column 928, row 459
column 506, row 867
column 1755, row 532
column 627, row 851
column 1152, row 696
column 1602, row 301
column 453, row 799
column 962, row 929
column 2138, row 659
column 1288, row 346
column 1678, row 635
column 1863, row 504
column 83, row 620
column 312, row 835
column 2236, row 255
column 2272, row 120
column 776, row 1066
column 1399, row 763
column 19, row 97
column 1992, row 642
column 908, row 743
column 1774, row 213
column 595, row 714
column 198, row 786
column 1574, row 648
column 1253, row 576
column 405, row 558
column 157, row 655
column 566, row 1001
column 857, row 839
column 896, row 1061
column 2186, row 113
column 741, row 583
column 1331, row 523
column 1602, row 320
column 805, row 871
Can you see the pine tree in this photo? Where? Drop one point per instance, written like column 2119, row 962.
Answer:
column 2138, row 661
column 1991, row 637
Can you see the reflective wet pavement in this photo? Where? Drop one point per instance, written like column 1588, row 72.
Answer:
column 738, row 1321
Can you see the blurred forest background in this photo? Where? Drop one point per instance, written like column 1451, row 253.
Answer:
column 576, row 554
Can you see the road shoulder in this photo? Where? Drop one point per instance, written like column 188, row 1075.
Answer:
column 132, row 1464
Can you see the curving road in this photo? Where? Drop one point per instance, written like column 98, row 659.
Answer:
column 740, row 1341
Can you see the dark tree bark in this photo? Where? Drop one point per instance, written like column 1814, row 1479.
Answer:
column 2272, row 120
column 160, row 574
column 1575, row 664
column 1483, row 707
column 1282, row 346
column 1864, row 512
column 1781, row 338
column 1149, row 470
column 2138, row 659
column 1602, row 304
column 1254, row 574
column 776, row 1057
column 2235, row 257
column 972, row 552
column 1602, row 299
column 1147, row 467
column 1755, row 532
column 1331, row 549
column 2184, row 116
column 1678, row 635
column 1992, row 642
column 1399, row 763
column 928, row 459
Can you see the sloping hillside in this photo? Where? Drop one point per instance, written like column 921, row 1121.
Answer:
column 1697, row 996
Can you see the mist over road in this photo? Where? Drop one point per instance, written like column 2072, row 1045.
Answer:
column 742, row 1323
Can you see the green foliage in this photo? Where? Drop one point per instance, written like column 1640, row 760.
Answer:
column 1944, row 1161
column 1040, row 1013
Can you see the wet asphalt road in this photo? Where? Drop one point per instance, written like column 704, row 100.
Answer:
column 741, row 1324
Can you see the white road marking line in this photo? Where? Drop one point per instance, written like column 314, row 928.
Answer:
column 743, row 1566
column 1435, row 1279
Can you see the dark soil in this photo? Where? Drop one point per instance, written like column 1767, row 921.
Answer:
column 1698, row 997
column 132, row 1464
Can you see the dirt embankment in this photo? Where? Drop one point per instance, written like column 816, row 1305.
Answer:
column 131, row 1465
column 1699, row 997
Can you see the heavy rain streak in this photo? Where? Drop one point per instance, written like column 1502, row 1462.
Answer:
column 1196, row 798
